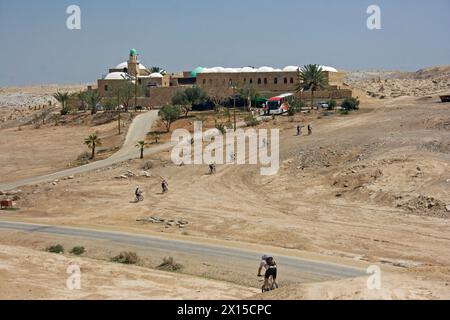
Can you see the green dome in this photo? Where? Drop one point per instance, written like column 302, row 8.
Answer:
column 133, row 52
column 196, row 71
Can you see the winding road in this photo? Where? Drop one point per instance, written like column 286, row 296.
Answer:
column 293, row 267
column 137, row 131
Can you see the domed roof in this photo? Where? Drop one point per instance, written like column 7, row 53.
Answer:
column 125, row 65
column 248, row 69
column 329, row 69
column 133, row 52
column 295, row 68
column 265, row 69
column 156, row 75
column 290, row 68
column 116, row 76
column 196, row 71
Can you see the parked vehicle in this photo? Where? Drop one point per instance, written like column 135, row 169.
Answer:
column 279, row 104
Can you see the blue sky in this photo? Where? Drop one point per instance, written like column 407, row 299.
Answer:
column 36, row 46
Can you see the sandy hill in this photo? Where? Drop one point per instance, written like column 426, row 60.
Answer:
column 393, row 84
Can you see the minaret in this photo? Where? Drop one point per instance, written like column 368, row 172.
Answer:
column 133, row 63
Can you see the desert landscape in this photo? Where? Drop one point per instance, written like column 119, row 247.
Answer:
column 370, row 187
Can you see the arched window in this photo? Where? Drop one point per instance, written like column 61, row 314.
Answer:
column 285, row 80
column 265, row 80
column 259, row 80
column 275, row 80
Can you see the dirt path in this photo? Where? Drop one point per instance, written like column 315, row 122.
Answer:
column 137, row 131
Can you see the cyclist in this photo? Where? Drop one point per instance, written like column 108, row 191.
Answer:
column 268, row 263
column 138, row 194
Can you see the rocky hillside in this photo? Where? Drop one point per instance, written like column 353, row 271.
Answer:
column 393, row 84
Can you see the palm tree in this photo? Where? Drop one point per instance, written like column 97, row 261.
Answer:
column 62, row 97
column 141, row 144
column 250, row 93
column 92, row 99
column 92, row 141
column 311, row 77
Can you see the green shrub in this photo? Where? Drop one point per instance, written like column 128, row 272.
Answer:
column 251, row 121
column 78, row 250
column 291, row 110
column 344, row 112
column 295, row 106
column 56, row 249
column 169, row 114
column 331, row 104
column 126, row 257
column 350, row 104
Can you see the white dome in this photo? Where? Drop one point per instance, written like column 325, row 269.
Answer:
column 228, row 70
column 329, row 69
column 125, row 65
column 116, row 76
column 265, row 69
column 156, row 75
column 247, row 69
column 290, row 68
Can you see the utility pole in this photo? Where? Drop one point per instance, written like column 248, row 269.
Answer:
column 234, row 107
column 118, row 109
column 234, row 102
column 135, row 93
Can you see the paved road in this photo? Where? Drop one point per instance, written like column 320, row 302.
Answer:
column 206, row 251
column 137, row 131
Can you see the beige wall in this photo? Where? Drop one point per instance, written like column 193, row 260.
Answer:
column 270, row 82
column 111, row 85
column 216, row 85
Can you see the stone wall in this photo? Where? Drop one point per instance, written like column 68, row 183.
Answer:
column 273, row 83
column 268, row 84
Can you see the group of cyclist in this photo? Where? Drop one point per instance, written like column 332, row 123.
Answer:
column 138, row 192
column 267, row 262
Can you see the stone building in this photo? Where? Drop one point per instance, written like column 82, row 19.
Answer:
column 158, row 88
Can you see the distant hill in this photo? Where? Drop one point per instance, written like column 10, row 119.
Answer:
column 391, row 84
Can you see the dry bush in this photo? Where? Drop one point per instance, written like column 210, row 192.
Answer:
column 169, row 264
column 83, row 158
column 147, row 166
column 126, row 257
